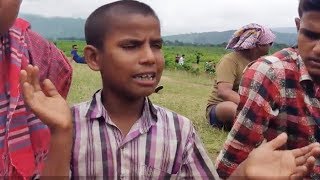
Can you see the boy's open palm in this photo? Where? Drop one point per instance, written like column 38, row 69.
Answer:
column 266, row 162
column 44, row 100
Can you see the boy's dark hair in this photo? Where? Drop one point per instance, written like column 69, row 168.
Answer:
column 308, row 5
column 73, row 46
column 99, row 23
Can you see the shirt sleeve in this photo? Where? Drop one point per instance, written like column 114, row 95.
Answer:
column 196, row 162
column 258, row 94
column 52, row 63
column 226, row 70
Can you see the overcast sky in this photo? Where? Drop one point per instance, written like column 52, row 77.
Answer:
column 185, row 16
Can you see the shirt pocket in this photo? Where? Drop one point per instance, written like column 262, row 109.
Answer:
column 150, row 173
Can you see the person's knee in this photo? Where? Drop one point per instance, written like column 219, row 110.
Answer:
column 226, row 111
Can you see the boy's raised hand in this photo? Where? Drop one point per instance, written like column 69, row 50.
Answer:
column 44, row 100
column 267, row 162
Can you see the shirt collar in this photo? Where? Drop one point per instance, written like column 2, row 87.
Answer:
column 97, row 111
column 304, row 75
column 305, row 78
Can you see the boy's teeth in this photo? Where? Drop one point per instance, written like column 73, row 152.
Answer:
column 145, row 77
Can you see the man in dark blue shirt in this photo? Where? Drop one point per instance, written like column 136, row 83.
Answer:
column 75, row 55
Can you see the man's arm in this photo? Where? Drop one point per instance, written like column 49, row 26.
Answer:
column 253, row 118
column 226, row 93
column 226, row 74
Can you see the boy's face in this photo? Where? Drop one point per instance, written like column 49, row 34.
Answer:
column 132, row 60
column 9, row 10
column 309, row 42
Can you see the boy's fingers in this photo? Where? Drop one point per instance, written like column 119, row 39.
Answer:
column 314, row 151
column 300, row 172
column 301, row 151
column 301, row 160
column 35, row 78
column 49, row 88
column 311, row 161
column 28, row 93
column 23, row 77
column 304, row 169
column 307, row 151
column 278, row 141
column 29, row 70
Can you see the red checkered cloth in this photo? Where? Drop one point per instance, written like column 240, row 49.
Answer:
column 277, row 95
column 24, row 139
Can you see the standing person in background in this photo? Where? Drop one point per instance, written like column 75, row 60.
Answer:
column 198, row 56
column 75, row 56
column 181, row 60
column 24, row 139
column 177, row 58
column 248, row 44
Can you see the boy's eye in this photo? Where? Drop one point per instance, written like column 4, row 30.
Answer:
column 157, row 45
column 129, row 46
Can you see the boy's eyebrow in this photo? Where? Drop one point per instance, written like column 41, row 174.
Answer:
column 310, row 34
column 160, row 40
column 130, row 41
column 133, row 40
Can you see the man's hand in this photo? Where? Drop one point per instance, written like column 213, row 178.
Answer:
column 53, row 110
column 45, row 101
column 267, row 162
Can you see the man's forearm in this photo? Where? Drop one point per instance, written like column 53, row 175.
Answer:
column 232, row 96
column 59, row 156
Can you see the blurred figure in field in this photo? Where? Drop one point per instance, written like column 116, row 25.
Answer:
column 181, row 60
column 177, row 58
column 248, row 44
column 75, row 56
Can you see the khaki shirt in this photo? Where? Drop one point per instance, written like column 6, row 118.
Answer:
column 229, row 69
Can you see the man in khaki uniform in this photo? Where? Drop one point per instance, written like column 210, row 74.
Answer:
column 248, row 44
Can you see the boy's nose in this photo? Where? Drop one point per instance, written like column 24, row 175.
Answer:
column 148, row 56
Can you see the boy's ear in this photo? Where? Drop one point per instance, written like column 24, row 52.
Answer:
column 91, row 55
column 297, row 21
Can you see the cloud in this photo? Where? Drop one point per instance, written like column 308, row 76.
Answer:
column 185, row 16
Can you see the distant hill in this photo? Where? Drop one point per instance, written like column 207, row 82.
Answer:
column 56, row 27
column 221, row 37
column 61, row 28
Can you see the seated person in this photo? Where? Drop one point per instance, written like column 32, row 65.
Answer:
column 248, row 44
column 75, row 55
